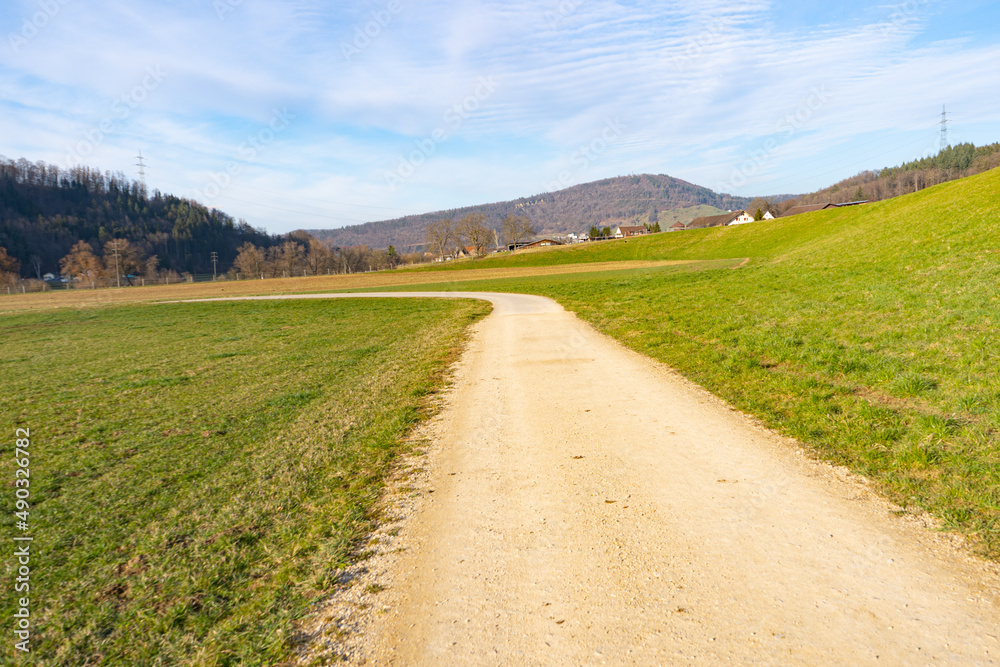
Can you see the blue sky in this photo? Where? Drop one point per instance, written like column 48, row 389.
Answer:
column 307, row 114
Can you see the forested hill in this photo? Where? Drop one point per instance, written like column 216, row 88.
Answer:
column 575, row 209
column 45, row 210
column 950, row 164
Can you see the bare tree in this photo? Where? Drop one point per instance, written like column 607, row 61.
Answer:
column 387, row 259
column 761, row 204
column 249, row 261
column 36, row 265
column 516, row 228
column 81, row 264
column 288, row 259
column 152, row 268
column 441, row 237
column 356, row 259
column 10, row 267
column 320, row 258
column 122, row 258
column 473, row 229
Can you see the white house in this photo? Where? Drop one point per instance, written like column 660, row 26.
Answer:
column 625, row 231
column 741, row 218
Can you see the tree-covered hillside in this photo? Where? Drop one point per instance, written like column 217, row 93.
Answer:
column 601, row 203
column 952, row 163
column 45, row 211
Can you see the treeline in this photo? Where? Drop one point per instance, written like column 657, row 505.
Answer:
column 471, row 235
column 303, row 255
column 952, row 163
column 119, row 263
column 45, row 211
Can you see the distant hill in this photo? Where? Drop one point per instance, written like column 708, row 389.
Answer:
column 575, row 209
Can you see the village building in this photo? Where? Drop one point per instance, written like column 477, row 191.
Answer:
column 714, row 220
column 542, row 243
column 809, row 208
column 726, row 219
column 624, row 231
column 742, row 218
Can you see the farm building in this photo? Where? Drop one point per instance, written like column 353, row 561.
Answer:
column 625, row 232
column 809, row 208
column 714, row 220
column 742, row 218
column 726, row 219
column 541, row 243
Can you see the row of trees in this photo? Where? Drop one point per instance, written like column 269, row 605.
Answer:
column 447, row 237
column 303, row 255
column 124, row 263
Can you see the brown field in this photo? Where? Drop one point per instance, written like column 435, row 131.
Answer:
column 87, row 298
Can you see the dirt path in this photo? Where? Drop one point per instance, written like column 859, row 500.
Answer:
column 585, row 505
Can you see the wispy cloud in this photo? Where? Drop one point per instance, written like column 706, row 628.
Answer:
column 700, row 86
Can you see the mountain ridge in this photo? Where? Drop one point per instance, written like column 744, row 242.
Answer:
column 633, row 198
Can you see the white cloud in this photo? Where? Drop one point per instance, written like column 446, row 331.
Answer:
column 699, row 85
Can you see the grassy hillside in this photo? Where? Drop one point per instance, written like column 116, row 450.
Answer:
column 199, row 472
column 951, row 163
column 869, row 333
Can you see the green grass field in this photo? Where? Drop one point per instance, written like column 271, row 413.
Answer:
column 869, row 333
column 199, row 472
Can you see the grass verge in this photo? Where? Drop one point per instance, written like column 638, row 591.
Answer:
column 199, row 472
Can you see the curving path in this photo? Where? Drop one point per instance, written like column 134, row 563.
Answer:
column 589, row 506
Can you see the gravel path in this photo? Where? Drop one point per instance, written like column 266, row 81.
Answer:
column 584, row 505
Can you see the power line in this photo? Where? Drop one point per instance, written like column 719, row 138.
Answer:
column 290, row 210
column 324, row 201
column 851, row 165
column 328, row 216
column 944, row 127
column 142, row 170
